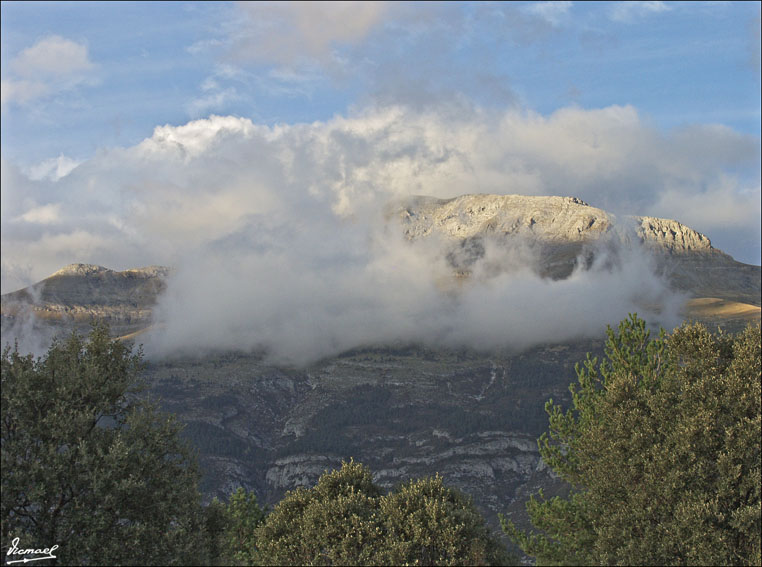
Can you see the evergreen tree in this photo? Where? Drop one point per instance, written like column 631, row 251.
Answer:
column 88, row 465
column 345, row 520
column 333, row 523
column 662, row 450
column 428, row 523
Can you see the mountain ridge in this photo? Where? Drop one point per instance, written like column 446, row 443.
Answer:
column 562, row 233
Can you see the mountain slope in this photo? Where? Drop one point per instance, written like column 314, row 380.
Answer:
column 559, row 232
column 79, row 294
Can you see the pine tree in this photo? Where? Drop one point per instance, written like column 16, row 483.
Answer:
column 662, row 451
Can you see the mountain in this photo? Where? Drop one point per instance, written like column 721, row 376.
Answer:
column 562, row 231
column 75, row 296
column 551, row 234
column 404, row 410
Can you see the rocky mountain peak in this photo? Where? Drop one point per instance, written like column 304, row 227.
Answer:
column 545, row 219
column 672, row 235
column 85, row 270
column 80, row 270
column 78, row 294
column 552, row 235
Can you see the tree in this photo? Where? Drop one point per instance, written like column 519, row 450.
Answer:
column 345, row 520
column 333, row 523
column 428, row 523
column 662, row 452
column 243, row 515
column 90, row 466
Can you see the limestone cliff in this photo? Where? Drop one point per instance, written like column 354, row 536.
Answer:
column 549, row 219
column 78, row 294
column 561, row 232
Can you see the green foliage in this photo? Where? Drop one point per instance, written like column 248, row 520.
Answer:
column 229, row 528
column 90, row 466
column 216, row 526
column 345, row 520
column 428, row 523
column 243, row 515
column 662, row 449
column 334, row 523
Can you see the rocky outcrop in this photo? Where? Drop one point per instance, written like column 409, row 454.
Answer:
column 488, row 465
column 404, row 412
column 671, row 236
column 553, row 219
column 559, row 220
column 75, row 296
column 554, row 235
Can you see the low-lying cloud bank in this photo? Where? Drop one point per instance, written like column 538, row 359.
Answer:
column 278, row 238
column 316, row 294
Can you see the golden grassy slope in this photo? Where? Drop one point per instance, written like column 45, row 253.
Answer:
column 715, row 309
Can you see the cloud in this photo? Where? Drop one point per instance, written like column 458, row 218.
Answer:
column 553, row 12
column 202, row 46
column 322, row 292
column 45, row 214
column 21, row 91
column 52, row 65
column 279, row 239
column 416, row 54
column 52, row 56
column 286, row 33
column 213, row 99
column 52, row 168
column 627, row 12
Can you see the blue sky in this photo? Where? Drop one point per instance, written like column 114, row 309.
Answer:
column 668, row 93
column 154, row 63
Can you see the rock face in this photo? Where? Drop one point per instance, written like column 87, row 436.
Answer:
column 561, row 232
column 673, row 237
column 551, row 219
column 406, row 412
column 75, row 296
column 558, row 220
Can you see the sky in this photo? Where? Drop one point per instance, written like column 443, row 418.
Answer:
column 179, row 133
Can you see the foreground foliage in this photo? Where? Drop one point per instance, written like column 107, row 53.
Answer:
column 345, row 520
column 89, row 466
column 662, row 449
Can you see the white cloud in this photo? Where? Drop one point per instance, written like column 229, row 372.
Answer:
column 724, row 202
column 552, row 12
column 52, row 65
column 214, row 99
column 21, row 90
column 195, row 137
column 287, row 32
column 52, row 168
column 46, row 214
column 202, row 46
column 52, row 56
column 630, row 11
column 277, row 234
